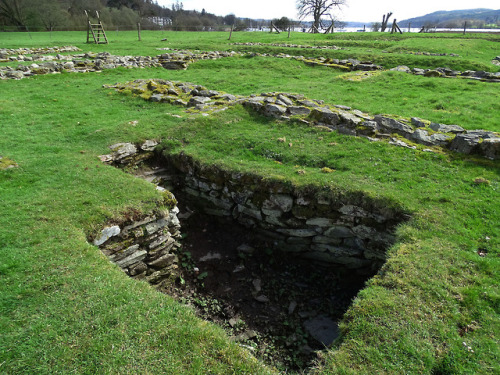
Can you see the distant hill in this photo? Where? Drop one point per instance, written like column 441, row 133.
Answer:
column 476, row 18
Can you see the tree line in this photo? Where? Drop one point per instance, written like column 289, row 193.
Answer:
column 25, row 15
column 39, row 15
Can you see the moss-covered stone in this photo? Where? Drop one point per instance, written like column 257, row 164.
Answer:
column 169, row 199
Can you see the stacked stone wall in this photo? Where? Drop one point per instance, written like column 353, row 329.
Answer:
column 310, row 222
column 145, row 248
column 42, row 63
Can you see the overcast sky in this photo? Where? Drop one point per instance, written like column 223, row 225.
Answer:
column 355, row 10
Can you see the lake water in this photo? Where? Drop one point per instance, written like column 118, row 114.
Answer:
column 412, row 30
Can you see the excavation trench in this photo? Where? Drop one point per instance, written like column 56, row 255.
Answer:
column 275, row 265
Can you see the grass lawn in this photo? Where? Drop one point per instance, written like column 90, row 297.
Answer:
column 433, row 308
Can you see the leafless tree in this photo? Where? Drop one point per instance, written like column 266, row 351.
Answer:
column 317, row 9
column 376, row 26
column 385, row 21
column 16, row 11
column 51, row 14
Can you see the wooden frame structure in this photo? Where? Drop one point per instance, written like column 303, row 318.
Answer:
column 96, row 30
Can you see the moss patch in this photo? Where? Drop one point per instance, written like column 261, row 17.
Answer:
column 359, row 76
column 6, row 163
column 169, row 199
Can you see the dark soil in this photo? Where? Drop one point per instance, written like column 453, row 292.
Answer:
column 270, row 302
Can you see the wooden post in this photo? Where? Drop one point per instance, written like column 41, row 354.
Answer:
column 275, row 28
column 289, row 29
column 465, row 26
column 231, row 32
column 393, row 26
column 397, row 27
column 409, row 27
column 88, row 26
column 139, row 30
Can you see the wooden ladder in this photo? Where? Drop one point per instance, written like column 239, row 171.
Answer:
column 96, row 30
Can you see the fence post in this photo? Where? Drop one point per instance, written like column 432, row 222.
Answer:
column 465, row 26
column 231, row 32
column 289, row 29
column 139, row 30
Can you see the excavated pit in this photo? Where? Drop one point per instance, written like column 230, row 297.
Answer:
column 275, row 265
column 280, row 305
column 282, row 308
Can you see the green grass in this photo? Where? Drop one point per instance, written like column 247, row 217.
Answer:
column 476, row 50
column 64, row 308
column 449, row 101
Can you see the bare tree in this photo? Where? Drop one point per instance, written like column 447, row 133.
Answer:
column 51, row 14
column 317, row 9
column 17, row 12
column 385, row 21
column 376, row 26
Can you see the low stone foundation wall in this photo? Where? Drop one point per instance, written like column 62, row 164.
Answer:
column 345, row 120
column 42, row 63
column 5, row 53
column 144, row 248
column 311, row 222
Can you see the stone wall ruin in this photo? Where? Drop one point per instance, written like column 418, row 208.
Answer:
column 144, row 248
column 311, row 222
column 320, row 246
column 343, row 119
column 42, row 62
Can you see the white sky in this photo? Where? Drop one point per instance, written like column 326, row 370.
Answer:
column 355, row 10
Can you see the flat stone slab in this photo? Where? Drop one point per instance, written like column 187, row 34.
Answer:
column 322, row 329
column 298, row 232
column 106, row 234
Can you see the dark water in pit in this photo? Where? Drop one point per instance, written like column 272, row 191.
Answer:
column 281, row 308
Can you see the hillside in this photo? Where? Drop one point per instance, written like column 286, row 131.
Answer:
column 476, row 18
